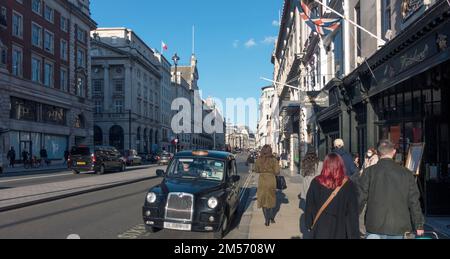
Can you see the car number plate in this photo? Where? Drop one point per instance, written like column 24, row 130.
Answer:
column 81, row 163
column 177, row 226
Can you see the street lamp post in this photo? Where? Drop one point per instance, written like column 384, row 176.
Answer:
column 129, row 129
column 175, row 59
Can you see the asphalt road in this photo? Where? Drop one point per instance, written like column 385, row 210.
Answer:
column 109, row 214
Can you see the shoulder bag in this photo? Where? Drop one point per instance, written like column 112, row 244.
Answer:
column 327, row 203
column 281, row 182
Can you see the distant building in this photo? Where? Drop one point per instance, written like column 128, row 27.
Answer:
column 45, row 80
column 238, row 136
column 126, row 78
column 167, row 96
column 265, row 116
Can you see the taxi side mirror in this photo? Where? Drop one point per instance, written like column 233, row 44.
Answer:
column 235, row 178
column 160, row 173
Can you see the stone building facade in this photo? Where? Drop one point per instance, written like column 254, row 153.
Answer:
column 44, row 77
column 126, row 80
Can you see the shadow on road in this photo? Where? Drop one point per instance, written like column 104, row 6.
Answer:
column 243, row 207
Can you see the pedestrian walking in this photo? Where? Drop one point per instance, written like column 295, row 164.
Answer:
column 371, row 158
column 44, row 156
column 24, row 157
column 392, row 196
column 11, row 156
column 1, row 162
column 268, row 168
column 66, row 156
column 284, row 160
column 250, row 162
column 357, row 161
column 331, row 203
column 350, row 167
column 311, row 168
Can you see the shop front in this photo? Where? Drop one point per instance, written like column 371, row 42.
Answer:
column 403, row 97
column 33, row 143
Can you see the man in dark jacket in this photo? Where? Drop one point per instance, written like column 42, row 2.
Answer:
column 350, row 166
column 392, row 197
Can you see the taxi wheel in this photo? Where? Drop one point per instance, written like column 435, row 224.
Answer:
column 223, row 228
column 75, row 172
column 152, row 229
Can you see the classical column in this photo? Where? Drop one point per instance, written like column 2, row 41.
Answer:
column 106, row 89
column 128, row 88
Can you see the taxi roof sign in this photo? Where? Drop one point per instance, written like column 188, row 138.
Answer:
column 200, row 153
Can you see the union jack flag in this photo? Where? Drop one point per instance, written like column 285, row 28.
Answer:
column 322, row 26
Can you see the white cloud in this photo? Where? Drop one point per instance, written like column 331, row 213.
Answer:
column 250, row 43
column 275, row 23
column 236, row 44
column 270, row 40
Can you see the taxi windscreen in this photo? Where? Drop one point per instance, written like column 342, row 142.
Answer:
column 197, row 168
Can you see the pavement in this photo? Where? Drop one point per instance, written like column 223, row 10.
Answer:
column 19, row 168
column 440, row 225
column 288, row 214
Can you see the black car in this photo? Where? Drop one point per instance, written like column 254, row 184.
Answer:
column 199, row 193
column 96, row 159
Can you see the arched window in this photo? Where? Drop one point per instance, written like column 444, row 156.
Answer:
column 116, row 137
column 156, row 137
column 151, row 137
column 98, row 136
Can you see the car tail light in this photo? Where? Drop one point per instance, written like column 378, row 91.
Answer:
column 94, row 159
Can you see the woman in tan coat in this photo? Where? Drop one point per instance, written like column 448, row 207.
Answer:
column 267, row 167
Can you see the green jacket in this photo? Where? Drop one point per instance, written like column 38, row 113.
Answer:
column 392, row 197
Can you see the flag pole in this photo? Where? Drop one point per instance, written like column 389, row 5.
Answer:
column 350, row 21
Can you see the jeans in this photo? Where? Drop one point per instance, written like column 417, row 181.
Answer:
column 378, row 236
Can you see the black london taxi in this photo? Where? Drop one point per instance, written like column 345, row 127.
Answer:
column 199, row 193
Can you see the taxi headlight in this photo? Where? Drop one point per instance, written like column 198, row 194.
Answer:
column 151, row 197
column 213, row 202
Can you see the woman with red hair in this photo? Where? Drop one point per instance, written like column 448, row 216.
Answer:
column 332, row 203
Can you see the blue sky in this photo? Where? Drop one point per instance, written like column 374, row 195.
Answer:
column 234, row 38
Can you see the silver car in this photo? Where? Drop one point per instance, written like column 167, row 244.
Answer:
column 164, row 158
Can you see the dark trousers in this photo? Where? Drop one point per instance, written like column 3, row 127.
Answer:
column 11, row 162
column 268, row 214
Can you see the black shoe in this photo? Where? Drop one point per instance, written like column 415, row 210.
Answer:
column 267, row 224
column 272, row 221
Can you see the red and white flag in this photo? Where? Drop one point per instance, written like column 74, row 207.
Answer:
column 164, row 46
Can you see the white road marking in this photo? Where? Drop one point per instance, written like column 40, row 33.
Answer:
column 134, row 233
column 34, row 177
column 246, row 184
column 73, row 236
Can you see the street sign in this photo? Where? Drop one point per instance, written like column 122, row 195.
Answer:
column 317, row 101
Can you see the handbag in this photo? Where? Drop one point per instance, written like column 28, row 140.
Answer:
column 325, row 205
column 281, row 182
